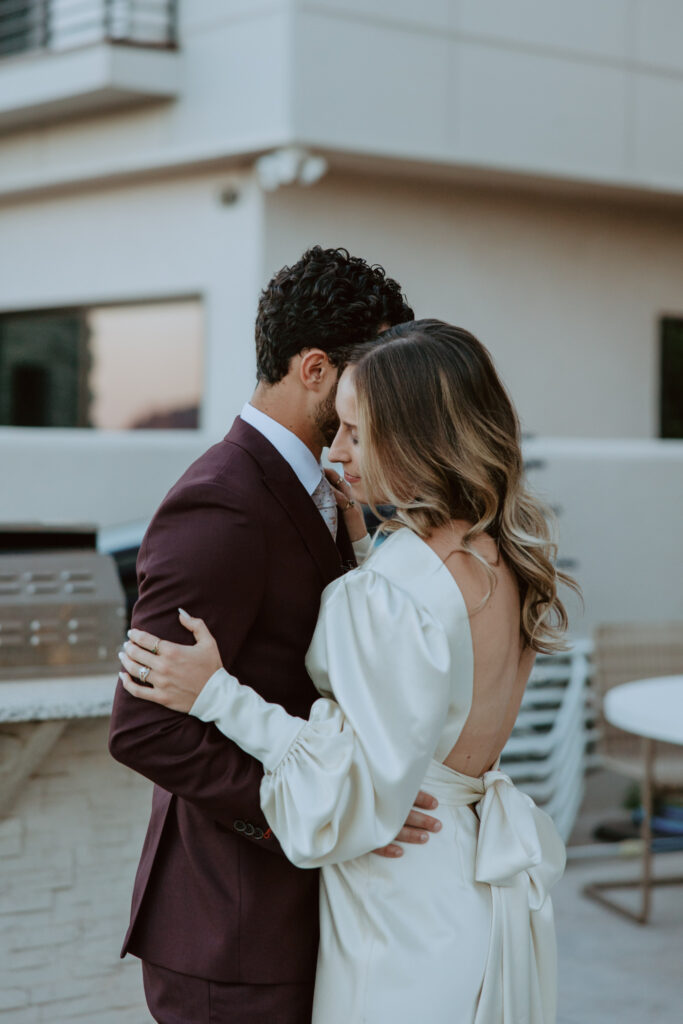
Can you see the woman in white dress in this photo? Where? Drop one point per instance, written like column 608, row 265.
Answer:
column 421, row 657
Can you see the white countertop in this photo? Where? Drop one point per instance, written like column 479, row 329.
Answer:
column 39, row 700
column 648, row 707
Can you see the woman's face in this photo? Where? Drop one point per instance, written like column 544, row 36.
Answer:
column 346, row 447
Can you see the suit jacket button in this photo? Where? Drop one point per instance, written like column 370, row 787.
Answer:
column 239, row 825
column 258, row 833
column 249, row 830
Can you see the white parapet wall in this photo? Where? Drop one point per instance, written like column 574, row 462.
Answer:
column 620, row 502
column 621, row 518
column 82, row 476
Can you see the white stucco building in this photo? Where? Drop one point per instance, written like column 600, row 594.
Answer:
column 518, row 167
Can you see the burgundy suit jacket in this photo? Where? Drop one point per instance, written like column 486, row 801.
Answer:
column 239, row 543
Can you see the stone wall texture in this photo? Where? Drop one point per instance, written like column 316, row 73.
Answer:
column 69, row 847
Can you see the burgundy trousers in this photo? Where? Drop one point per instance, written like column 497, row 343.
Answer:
column 181, row 999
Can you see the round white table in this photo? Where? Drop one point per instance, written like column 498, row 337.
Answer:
column 652, row 709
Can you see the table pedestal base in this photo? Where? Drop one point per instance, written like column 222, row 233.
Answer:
column 596, row 890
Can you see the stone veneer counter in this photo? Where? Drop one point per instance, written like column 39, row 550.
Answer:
column 40, row 700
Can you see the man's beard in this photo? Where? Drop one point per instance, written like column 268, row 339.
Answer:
column 326, row 419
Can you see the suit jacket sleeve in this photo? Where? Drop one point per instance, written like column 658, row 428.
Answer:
column 204, row 553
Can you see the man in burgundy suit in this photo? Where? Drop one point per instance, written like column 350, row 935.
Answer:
column 226, row 927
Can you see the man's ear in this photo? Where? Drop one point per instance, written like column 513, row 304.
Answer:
column 314, row 368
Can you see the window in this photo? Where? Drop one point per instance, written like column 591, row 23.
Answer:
column 122, row 367
column 671, row 378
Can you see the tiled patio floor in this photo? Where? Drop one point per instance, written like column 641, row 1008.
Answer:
column 612, row 971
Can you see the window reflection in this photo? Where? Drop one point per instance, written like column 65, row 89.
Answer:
column 111, row 368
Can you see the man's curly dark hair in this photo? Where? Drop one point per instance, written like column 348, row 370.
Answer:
column 327, row 300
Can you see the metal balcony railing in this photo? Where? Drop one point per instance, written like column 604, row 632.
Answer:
column 27, row 26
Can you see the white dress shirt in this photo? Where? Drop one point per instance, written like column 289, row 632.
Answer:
column 300, row 458
column 291, row 448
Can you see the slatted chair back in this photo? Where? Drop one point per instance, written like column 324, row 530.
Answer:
column 624, row 652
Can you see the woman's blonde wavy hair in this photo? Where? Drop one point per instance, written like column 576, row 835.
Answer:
column 441, row 441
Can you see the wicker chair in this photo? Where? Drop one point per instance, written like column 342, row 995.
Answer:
column 624, row 652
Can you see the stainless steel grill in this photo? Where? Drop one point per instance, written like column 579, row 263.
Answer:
column 62, row 611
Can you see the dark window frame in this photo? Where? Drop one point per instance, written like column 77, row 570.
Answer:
column 671, row 377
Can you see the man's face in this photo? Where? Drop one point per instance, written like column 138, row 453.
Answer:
column 326, row 418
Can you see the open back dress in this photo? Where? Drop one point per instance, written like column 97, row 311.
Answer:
column 459, row 930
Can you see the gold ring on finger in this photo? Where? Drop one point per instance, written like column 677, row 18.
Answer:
column 155, row 649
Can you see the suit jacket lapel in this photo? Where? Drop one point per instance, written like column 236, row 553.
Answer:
column 344, row 545
column 285, row 486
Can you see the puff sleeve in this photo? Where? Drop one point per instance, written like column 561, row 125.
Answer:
column 362, row 549
column 342, row 782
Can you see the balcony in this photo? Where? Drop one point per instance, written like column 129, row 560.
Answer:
column 62, row 58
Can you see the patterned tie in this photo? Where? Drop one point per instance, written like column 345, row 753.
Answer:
column 326, row 505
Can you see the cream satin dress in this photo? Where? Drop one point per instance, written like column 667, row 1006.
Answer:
column 460, row 930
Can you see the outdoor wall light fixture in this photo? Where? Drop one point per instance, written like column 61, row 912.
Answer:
column 229, row 195
column 289, row 166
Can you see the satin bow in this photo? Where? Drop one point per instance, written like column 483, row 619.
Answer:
column 516, row 837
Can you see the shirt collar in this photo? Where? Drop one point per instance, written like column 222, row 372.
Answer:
column 291, row 448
